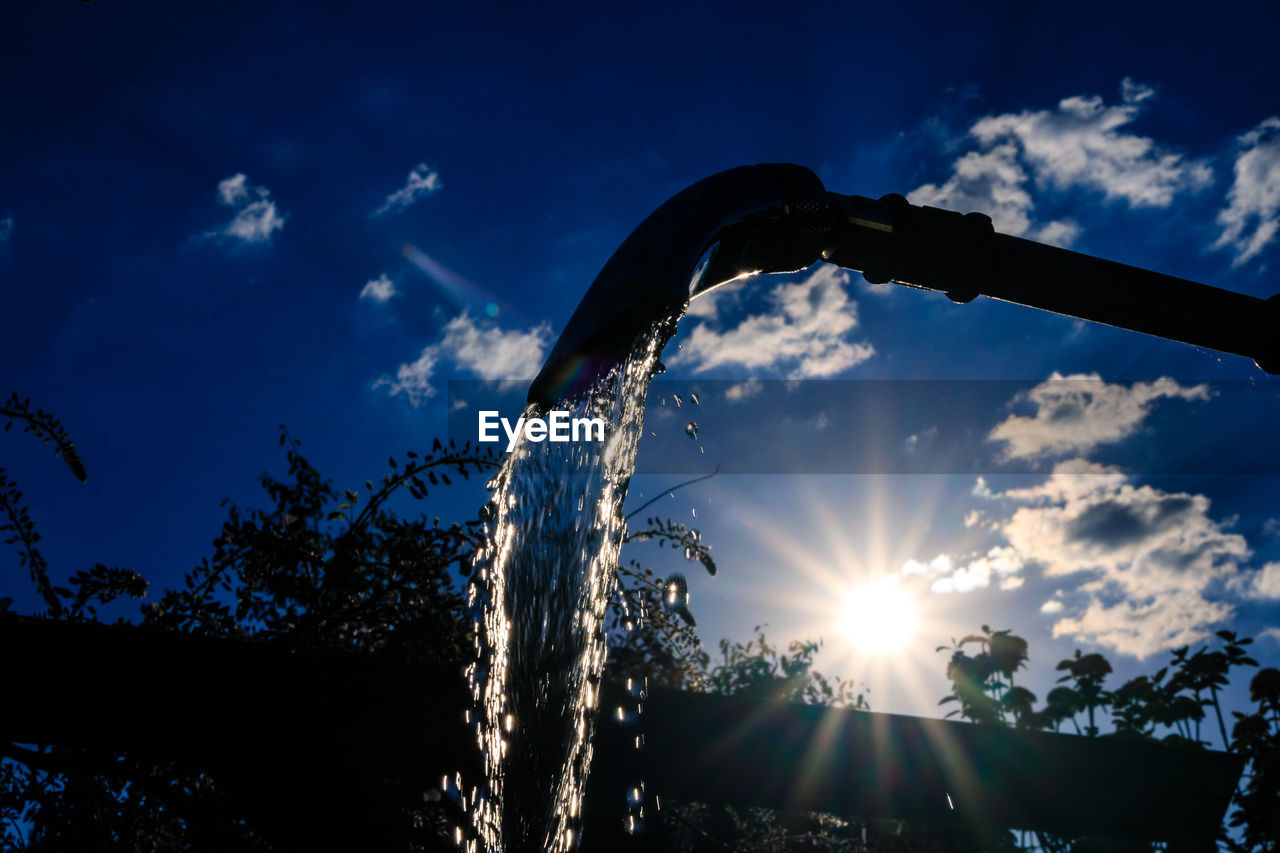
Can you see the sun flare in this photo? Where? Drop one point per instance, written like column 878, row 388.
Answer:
column 879, row 618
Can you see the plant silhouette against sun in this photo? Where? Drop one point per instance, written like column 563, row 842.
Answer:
column 318, row 570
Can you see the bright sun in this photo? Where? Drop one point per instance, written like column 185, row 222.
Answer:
column 879, row 618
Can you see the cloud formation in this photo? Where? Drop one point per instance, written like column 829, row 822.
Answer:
column 257, row 216
column 1265, row 583
column 804, row 334
column 1252, row 215
column 1141, row 569
column 1149, row 558
column 480, row 349
column 379, row 289
column 1075, row 414
column 999, row 563
column 740, row 391
column 422, row 181
column 1080, row 143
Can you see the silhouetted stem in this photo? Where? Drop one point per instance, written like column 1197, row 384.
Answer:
column 671, row 490
column 1217, row 709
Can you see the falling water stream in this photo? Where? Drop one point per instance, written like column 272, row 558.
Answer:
column 542, row 587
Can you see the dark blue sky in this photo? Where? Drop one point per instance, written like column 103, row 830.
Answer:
column 220, row 218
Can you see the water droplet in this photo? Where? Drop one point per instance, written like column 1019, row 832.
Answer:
column 676, row 397
column 694, row 398
column 675, row 593
column 691, row 429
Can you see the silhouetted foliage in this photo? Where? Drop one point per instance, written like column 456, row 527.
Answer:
column 315, row 569
column 1169, row 704
column 321, row 569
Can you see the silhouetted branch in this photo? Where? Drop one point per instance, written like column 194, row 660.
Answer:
column 45, row 427
column 672, row 490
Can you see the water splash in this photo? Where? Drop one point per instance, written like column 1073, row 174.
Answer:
column 542, row 587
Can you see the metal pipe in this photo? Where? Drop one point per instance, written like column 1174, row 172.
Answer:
column 964, row 257
column 779, row 218
column 764, row 209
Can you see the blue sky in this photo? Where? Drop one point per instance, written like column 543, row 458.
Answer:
column 217, row 219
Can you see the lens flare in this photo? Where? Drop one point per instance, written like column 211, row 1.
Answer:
column 880, row 617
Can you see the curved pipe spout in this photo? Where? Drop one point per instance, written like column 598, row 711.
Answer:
column 648, row 277
column 779, row 218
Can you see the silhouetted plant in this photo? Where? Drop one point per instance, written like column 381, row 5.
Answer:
column 315, row 569
column 983, row 683
column 1169, row 704
column 319, row 569
column 1256, row 736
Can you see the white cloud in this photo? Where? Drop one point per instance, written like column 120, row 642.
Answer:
column 913, row 442
column 1150, row 557
column 1081, row 144
column 1059, row 232
column 939, row 565
column 6, row 228
column 233, row 190
column 1271, row 527
column 1252, row 215
column 491, row 353
column 1134, row 92
column 1077, row 413
column 1266, row 581
column 413, row 379
column 257, row 217
column 1273, row 633
column 1145, row 539
column 1078, row 144
column 805, row 333
column 422, row 181
column 1144, row 628
column 1002, row 563
column 993, row 182
column 709, row 304
column 743, row 390
column 483, row 350
column 256, row 222
column 1143, row 569
column 378, row 289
